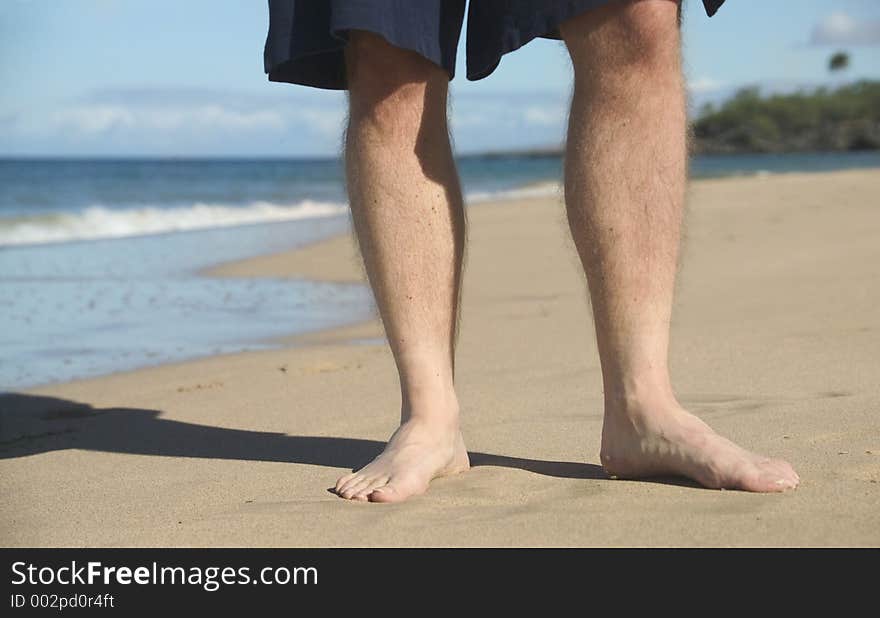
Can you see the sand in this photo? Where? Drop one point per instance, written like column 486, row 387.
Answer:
column 776, row 343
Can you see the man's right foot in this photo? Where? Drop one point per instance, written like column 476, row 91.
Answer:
column 418, row 452
column 661, row 438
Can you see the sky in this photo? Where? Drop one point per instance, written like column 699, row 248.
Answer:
column 185, row 78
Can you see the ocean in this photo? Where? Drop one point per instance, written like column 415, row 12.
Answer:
column 100, row 259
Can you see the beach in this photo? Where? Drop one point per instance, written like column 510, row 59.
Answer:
column 775, row 343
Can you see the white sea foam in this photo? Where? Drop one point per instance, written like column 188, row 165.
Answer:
column 98, row 222
column 538, row 189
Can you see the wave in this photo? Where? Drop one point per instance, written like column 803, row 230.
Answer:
column 99, row 222
column 531, row 190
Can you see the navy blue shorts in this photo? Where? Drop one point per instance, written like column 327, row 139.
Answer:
column 307, row 37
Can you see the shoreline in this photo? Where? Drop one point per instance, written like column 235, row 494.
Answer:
column 317, row 261
column 240, row 267
column 774, row 335
column 29, row 229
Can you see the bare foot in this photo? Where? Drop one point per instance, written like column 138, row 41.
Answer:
column 418, row 452
column 644, row 441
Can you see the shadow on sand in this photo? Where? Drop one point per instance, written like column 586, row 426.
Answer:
column 33, row 424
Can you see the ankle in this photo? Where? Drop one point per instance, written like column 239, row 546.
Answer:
column 438, row 407
column 638, row 398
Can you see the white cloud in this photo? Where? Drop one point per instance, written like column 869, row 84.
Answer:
column 163, row 120
column 328, row 121
column 470, row 118
column 215, row 116
column 705, row 85
column 842, row 29
column 180, row 121
column 82, row 120
column 547, row 115
column 97, row 119
column 510, row 112
column 92, row 119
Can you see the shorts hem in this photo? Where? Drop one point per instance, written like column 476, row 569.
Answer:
column 325, row 67
column 549, row 29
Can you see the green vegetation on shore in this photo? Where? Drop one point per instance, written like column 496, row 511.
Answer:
column 847, row 118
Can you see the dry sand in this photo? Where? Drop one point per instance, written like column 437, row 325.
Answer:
column 776, row 343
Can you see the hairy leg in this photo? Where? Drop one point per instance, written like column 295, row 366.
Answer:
column 625, row 176
column 408, row 216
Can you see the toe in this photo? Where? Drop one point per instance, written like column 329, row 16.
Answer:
column 395, row 491
column 343, row 481
column 789, row 471
column 786, row 476
column 364, row 492
column 385, row 493
column 771, row 481
column 346, row 490
column 355, row 490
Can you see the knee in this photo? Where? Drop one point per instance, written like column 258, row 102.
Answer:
column 633, row 36
column 390, row 88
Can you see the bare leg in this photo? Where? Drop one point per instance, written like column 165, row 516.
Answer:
column 625, row 177
column 407, row 210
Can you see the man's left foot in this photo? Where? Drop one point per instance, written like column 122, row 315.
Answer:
column 644, row 440
column 417, row 453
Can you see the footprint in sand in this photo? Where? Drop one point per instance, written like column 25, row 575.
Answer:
column 324, row 367
column 199, row 387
